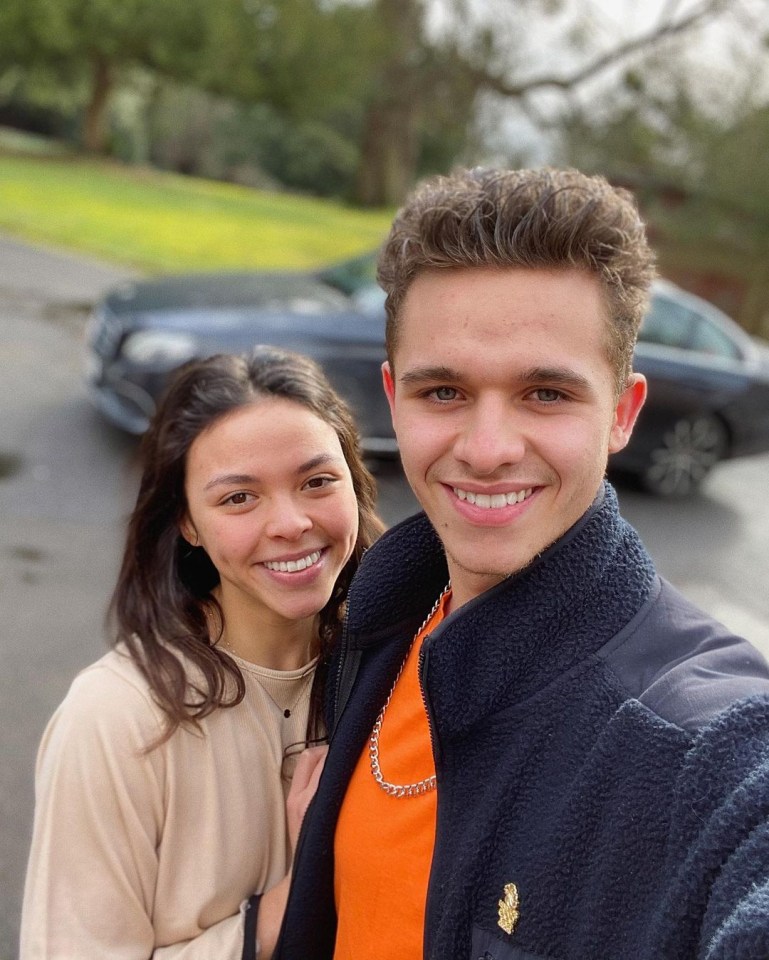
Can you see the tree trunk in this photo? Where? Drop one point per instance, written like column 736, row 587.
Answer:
column 754, row 315
column 95, row 139
column 389, row 154
column 390, row 138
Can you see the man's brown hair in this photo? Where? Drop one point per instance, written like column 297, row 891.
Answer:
column 541, row 218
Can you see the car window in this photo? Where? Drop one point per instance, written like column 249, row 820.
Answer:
column 673, row 324
column 667, row 323
column 710, row 339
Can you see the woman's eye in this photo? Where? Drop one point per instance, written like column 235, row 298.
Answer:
column 237, row 498
column 316, row 483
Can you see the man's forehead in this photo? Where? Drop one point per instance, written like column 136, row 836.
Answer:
column 495, row 301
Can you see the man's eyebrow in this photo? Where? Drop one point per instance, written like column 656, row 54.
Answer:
column 428, row 375
column 556, row 376
column 234, row 479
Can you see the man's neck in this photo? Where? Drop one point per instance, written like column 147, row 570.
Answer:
column 466, row 585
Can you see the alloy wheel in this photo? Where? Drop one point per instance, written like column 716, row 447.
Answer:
column 685, row 455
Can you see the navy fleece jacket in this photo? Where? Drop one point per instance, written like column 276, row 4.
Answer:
column 599, row 742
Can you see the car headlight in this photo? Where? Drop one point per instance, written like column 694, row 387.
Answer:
column 159, row 348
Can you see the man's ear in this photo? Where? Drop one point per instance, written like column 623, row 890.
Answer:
column 626, row 413
column 389, row 385
column 189, row 532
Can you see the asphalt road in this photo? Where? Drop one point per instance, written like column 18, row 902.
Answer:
column 67, row 482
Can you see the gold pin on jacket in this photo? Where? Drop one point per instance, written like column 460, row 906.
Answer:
column 508, row 908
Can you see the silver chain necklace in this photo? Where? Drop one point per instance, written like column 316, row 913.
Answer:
column 401, row 789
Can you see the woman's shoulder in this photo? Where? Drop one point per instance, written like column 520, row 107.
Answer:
column 113, row 675
column 111, row 693
column 96, row 749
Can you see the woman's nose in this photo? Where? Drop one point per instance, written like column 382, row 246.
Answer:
column 288, row 519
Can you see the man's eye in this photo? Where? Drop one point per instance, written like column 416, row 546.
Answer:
column 444, row 393
column 547, row 395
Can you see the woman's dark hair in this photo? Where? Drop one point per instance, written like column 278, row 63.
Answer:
column 162, row 602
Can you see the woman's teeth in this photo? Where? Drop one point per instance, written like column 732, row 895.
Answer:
column 292, row 566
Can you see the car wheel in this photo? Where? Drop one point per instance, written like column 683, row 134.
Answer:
column 685, row 455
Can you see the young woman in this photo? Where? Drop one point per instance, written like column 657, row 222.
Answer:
column 164, row 822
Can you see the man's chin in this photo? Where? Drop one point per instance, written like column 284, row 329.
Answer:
column 476, row 568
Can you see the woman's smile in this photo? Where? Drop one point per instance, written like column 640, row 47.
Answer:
column 278, row 526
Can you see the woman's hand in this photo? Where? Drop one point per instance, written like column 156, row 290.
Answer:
column 307, row 773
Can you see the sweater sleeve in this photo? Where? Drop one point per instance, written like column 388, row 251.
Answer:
column 99, row 818
column 717, row 907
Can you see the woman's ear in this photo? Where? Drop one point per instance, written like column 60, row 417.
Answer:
column 189, row 532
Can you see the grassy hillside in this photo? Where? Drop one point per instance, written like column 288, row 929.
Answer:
column 164, row 222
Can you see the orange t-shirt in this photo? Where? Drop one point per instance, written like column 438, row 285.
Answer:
column 384, row 845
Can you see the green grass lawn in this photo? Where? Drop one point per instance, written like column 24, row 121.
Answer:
column 165, row 222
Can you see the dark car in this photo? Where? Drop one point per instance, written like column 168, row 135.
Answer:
column 708, row 394
column 708, row 380
column 142, row 331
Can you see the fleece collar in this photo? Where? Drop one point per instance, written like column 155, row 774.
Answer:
column 518, row 636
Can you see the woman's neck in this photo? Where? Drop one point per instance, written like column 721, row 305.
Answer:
column 268, row 642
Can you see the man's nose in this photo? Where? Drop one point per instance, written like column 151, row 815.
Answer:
column 491, row 437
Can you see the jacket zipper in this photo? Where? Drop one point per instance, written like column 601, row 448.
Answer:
column 343, row 651
column 422, row 675
column 421, row 667
column 349, row 662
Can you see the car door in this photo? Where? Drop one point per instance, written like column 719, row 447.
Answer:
column 694, row 368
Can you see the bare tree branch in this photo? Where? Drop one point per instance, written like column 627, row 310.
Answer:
column 499, row 84
column 668, row 11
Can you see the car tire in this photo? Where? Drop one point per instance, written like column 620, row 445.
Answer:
column 685, row 455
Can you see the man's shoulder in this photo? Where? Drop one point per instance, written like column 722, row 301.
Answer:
column 682, row 663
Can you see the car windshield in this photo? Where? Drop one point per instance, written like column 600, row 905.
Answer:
column 351, row 276
column 357, row 279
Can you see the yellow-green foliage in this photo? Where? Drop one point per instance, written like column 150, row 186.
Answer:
column 165, row 222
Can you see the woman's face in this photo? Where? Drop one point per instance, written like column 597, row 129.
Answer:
column 270, row 498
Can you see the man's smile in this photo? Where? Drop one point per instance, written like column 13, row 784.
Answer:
column 493, row 501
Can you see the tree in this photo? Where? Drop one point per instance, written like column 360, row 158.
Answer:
column 398, row 83
column 302, row 57
column 690, row 138
column 419, row 71
column 89, row 41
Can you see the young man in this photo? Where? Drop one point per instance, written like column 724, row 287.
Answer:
column 539, row 749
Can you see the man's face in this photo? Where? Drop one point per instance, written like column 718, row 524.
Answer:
column 505, row 410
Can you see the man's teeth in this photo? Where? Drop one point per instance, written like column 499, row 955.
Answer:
column 291, row 566
column 492, row 501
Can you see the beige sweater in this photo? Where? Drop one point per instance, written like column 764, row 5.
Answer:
column 152, row 855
